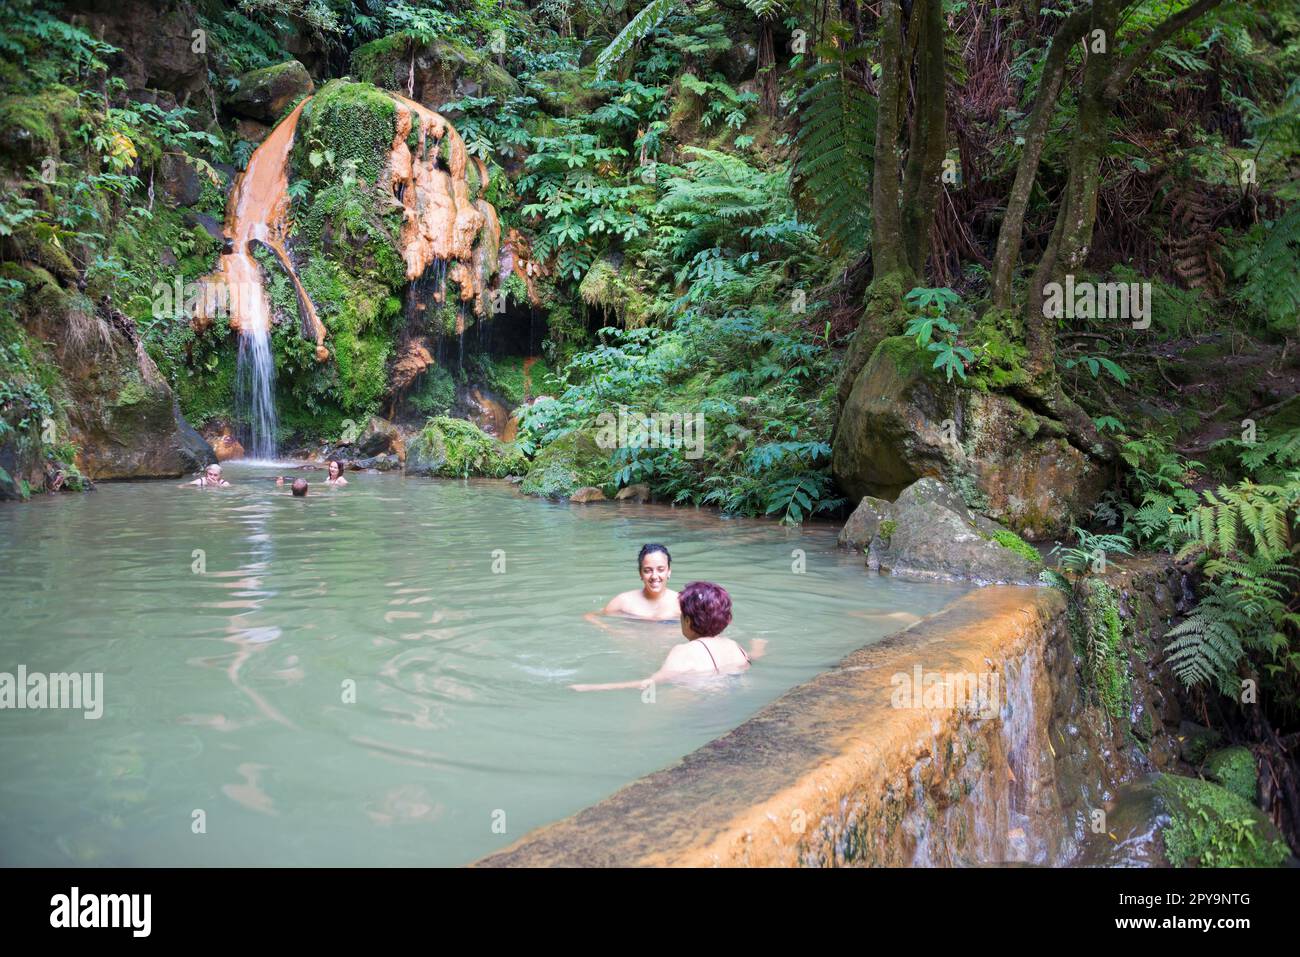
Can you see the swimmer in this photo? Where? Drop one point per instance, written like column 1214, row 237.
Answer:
column 211, row 478
column 654, row 599
column 706, row 612
column 299, row 488
column 334, row 473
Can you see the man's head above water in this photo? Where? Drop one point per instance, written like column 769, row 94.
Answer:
column 299, row 487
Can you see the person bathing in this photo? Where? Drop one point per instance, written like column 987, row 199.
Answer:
column 334, row 473
column 211, row 478
column 654, row 599
column 706, row 612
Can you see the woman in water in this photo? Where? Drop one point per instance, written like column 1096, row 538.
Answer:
column 211, row 478
column 334, row 473
column 706, row 611
column 654, row 599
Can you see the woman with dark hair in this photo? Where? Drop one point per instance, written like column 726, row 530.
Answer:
column 334, row 473
column 654, row 599
column 706, row 612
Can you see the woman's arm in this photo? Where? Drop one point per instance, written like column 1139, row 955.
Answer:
column 614, row 686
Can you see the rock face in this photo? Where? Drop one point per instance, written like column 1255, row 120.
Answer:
column 434, row 73
column 588, row 493
column 264, row 95
column 379, row 436
column 137, row 435
column 903, row 421
column 156, row 42
column 930, row 533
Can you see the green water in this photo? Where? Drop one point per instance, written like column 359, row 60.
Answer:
column 224, row 690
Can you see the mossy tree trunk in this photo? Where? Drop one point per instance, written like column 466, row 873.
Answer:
column 903, row 198
column 1106, row 74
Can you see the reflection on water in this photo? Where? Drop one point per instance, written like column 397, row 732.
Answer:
column 343, row 679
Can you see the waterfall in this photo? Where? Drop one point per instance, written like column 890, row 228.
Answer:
column 255, row 391
column 256, row 213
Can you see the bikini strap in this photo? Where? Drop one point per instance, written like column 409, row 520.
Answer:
column 711, row 658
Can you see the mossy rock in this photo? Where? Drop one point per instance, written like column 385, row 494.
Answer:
column 569, row 463
column 1210, row 826
column 444, row 70
column 454, row 448
column 33, row 127
column 565, row 92
column 606, row 286
column 1235, row 769
column 265, row 95
column 355, row 122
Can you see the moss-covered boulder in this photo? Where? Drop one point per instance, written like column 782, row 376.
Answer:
column 436, row 72
column 930, row 533
column 902, row 421
column 1210, row 826
column 32, row 128
column 454, row 448
column 267, row 94
column 1234, row 768
column 354, row 123
column 571, row 462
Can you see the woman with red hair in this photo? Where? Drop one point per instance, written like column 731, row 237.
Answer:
column 706, row 612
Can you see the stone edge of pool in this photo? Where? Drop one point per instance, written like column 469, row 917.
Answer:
column 832, row 773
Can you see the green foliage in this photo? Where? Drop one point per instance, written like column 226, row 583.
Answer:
column 637, row 29
column 1267, row 264
column 1009, row 539
column 1212, row 827
column 1234, row 768
column 471, row 451
column 836, row 148
column 1102, row 645
column 933, row 306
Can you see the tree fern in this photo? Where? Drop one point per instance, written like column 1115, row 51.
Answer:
column 836, row 143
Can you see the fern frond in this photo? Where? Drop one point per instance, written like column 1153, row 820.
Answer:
column 836, row 142
column 649, row 17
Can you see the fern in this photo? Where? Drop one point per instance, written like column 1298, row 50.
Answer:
column 637, row 29
column 836, row 145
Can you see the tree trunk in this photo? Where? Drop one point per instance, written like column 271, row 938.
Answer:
column 928, row 136
column 1040, row 118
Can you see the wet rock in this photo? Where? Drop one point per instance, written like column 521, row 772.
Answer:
column 221, row 436
column 381, row 463
column 588, row 493
column 180, row 180
column 929, row 532
column 266, row 94
column 379, row 436
column 1195, row 741
column 640, row 492
column 903, row 421
column 426, row 453
column 251, row 130
column 865, row 523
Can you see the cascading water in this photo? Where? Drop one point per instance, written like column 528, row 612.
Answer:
column 257, row 213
